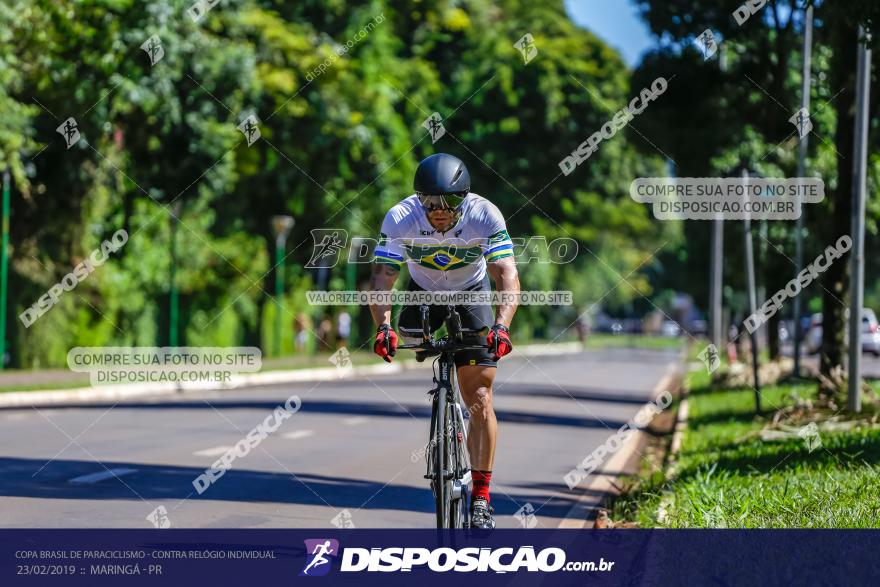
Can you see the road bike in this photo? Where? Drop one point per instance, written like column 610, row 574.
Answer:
column 448, row 464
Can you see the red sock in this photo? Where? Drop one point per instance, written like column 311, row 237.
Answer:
column 481, row 483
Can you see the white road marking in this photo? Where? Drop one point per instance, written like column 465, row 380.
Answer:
column 212, row 452
column 16, row 416
column 101, row 476
column 297, row 434
column 355, row 420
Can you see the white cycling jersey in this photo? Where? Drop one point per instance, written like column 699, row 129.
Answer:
column 454, row 260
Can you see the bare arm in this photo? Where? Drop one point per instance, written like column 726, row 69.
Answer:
column 506, row 278
column 383, row 279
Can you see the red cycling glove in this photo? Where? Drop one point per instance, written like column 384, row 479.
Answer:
column 386, row 342
column 499, row 341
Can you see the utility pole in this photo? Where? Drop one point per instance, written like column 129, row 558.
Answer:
column 4, row 275
column 717, row 333
column 281, row 226
column 802, row 169
column 750, row 277
column 716, row 283
column 857, row 270
column 173, row 298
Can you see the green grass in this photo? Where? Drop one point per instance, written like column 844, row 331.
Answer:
column 358, row 357
column 51, row 386
column 727, row 476
column 604, row 341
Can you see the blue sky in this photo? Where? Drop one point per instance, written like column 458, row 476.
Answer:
column 616, row 22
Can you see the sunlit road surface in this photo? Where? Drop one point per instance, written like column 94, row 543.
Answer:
column 350, row 456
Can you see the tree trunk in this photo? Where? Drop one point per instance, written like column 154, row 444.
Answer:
column 773, row 337
column 836, row 279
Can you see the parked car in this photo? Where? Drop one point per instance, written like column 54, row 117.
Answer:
column 632, row 326
column 870, row 336
column 698, row 327
column 670, row 328
column 605, row 323
column 786, row 330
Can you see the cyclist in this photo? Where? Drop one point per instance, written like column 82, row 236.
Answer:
column 452, row 240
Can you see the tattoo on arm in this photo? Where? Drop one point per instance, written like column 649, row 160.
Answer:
column 506, row 277
column 383, row 277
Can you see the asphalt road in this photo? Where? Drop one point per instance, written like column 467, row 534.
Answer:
column 870, row 363
column 349, row 456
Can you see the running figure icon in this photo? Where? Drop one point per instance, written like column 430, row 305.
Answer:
column 319, row 556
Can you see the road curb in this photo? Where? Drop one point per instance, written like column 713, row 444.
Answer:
column 602, row 486
column 677, row 435
column 681, row 419
column 115, row 393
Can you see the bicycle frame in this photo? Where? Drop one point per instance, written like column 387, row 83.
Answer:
column 447, row 459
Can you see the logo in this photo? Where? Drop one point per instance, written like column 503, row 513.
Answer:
column 714, row 518
column 526, row 47
column 318, row 551
column 249, row 128
column 620, row 119
column 706, row 44
column 70, row 131
column 343, row 520
column 526, row 516
column 710, row 358
column 159, row 517
column 153, row 48
column 342, row 360
column 198, row 10
column 461, row 560
column 327, row 244
column 810, row 434
column 797, row 284
column 434, row 126
column 801, row 121
column 85, row 268
column 747, row 10
column 244, row 446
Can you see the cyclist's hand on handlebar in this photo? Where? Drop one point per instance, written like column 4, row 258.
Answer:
column 499, row 342
column 386, row 342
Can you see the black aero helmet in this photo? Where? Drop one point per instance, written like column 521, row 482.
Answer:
column 443, row 175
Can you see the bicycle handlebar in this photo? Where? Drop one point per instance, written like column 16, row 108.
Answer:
column 441, row 345
column 455, row 341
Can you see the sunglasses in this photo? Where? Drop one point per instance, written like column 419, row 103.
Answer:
column 432, row 202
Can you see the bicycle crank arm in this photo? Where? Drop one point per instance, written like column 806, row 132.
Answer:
column 459, row 484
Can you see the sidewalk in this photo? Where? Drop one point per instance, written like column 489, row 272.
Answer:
column 46, row 379
column 85, row 394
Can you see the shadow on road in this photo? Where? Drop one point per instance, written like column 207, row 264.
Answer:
column 169, row 484
column 569, row 392
column 382, row 410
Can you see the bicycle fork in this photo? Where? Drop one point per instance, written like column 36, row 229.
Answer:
column 459, row 437
column 459, row 486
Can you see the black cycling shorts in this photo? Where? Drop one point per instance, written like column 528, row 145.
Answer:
column 474, row 318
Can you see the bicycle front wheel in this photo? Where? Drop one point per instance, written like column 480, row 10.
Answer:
column 441, row 488
column 459, row 463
